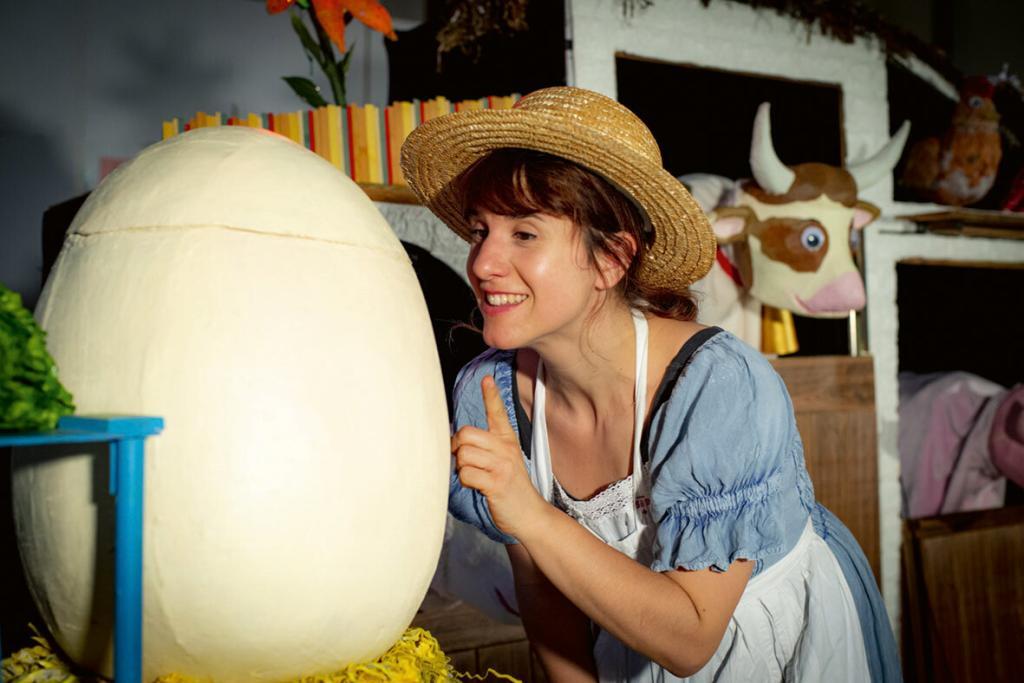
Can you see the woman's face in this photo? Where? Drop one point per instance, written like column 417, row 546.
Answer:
column 532, row 277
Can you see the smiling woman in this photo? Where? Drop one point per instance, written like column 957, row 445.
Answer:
column 644, row 472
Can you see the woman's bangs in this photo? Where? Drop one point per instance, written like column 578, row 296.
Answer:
column 501, row 183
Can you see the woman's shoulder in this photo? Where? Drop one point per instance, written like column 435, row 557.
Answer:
column 724, row 454
column 715, row 380
column 710, row 358
column 671, row 337
column 467, row 394
column 490, row 362
column 724, row 348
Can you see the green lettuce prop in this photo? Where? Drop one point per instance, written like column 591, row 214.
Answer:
column 31, row 396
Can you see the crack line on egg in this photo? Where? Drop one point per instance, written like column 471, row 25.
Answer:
column 232, row 228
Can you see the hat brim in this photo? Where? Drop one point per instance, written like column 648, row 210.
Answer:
column 436, row 152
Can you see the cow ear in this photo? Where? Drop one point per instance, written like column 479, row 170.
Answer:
column 864, row 213
column 730, row 223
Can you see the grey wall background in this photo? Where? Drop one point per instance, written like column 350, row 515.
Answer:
column 86, row 79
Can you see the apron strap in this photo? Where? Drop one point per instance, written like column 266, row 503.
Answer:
column 639, row 399
column 673, row 372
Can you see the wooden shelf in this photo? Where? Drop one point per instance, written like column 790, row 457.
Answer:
column 971, row 223
column 394, row 194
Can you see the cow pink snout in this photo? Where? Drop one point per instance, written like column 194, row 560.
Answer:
column 845, row 293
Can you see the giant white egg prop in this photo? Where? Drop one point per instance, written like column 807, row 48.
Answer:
column 242, row 288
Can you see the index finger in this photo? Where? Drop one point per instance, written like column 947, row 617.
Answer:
column 497, row 418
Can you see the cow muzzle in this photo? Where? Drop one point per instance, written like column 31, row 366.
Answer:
column 843, row 294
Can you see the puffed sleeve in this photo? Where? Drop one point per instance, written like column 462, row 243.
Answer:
column 466, row 504
column 721, row 450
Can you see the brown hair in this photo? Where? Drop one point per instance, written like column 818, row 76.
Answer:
column 518, row 182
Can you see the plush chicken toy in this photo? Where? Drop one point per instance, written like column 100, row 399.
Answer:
column 960, row 168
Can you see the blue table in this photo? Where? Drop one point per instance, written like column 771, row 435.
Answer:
column 126, row 436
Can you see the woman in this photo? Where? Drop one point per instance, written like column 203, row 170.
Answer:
column 644, row 471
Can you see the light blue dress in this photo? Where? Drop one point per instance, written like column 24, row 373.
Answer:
column 726, row 479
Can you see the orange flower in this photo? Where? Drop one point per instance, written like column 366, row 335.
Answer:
column 371, row 13
column 275, row 6
column 331, row 15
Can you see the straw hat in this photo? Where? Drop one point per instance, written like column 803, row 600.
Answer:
column 582, row 126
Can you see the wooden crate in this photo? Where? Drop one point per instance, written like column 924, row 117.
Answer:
column 834, row 401
column 963, row 597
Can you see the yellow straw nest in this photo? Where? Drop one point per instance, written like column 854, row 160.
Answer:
column 414, row 658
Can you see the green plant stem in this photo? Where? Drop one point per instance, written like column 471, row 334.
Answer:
column 329, row 65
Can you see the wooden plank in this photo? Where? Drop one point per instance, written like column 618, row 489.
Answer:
column 833, row 398
column 474, row 642
column 464, row 661
column 395, row 194
column 976, row 595
column 844, row 470
column 458, row 626
column 512, row 659
column 943, row 525
column 914, row 612
column 971, row 223
column 958, row 230
column 970, row 583
column 1000, row 265
column 979, row 217
column 829, row 383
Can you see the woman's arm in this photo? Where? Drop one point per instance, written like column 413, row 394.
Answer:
column 559, row 633
column 676, row 618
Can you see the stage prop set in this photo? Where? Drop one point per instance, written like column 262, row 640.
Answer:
column 785, row 240
column 295, row 502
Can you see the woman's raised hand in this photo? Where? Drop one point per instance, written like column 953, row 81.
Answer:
column 490, row 462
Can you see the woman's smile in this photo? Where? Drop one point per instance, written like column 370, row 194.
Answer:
column 496, row 303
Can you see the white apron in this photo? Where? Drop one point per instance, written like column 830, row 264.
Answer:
column 796, row 620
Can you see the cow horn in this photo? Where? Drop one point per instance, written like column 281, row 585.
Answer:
column 868, row 172
column 771, row 174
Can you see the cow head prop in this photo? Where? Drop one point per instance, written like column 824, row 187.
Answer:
column 792, row 227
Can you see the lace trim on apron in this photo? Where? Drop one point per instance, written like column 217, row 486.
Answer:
column 614, row 498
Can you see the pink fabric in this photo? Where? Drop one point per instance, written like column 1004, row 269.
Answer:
column 1006, row 440
column 936, row 416
column 975, row 483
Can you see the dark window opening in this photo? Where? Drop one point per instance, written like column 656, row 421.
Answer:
column 961, row 317
column 702, row 118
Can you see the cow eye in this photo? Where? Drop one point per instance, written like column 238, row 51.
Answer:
column 813, row 238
